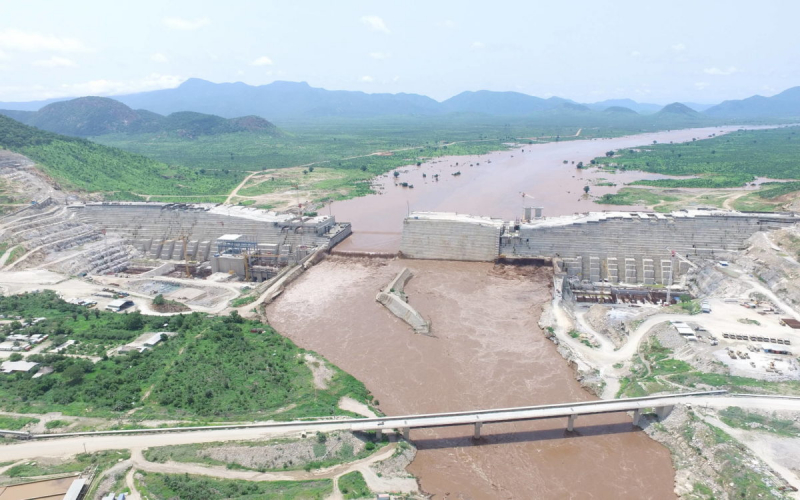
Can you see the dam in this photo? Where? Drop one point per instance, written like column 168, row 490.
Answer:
column 617, row 247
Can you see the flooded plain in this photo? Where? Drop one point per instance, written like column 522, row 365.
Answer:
column 493, row 185
column 488, row 352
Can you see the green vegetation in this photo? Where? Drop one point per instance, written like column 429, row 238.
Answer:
column 730, row 160
column 328, row 450
column 633, row 196
column 177, row 486
column 87, row 166
column 656, row 371
column 748, row 321
column 55, row 424
column 214, row 367
column 15, row 254
column 742, row 419
column 103, row 459
column 243, row 300
column 15, row 423
column 352, row 485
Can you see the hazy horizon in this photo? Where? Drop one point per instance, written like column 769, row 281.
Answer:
column 585, row 51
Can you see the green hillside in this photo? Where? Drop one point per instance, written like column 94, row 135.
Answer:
column 83, row 165
column 97, row 116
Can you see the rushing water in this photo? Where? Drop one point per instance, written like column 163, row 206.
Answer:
column 494, row 184
column 488, row 352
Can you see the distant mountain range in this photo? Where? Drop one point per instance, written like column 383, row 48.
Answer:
column 287, row 101
column 94, row 116
column 783, row 105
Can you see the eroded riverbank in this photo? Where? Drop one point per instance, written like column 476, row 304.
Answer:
column 488, row 351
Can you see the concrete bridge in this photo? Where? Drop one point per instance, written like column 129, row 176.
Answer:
column 478, row 418
column 663, row 405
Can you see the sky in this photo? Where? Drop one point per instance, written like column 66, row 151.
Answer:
column 586, row 50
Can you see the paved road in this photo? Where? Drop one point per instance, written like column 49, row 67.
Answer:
column 70, row 444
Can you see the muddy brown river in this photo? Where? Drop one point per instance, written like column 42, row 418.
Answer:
column 487, row 352
column 494, row 183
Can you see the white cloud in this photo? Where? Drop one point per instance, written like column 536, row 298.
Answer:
column 721, row 72
column 262, row 61
column 635, row 53
column 478, row 45
column 367, row 79
column 448, row 23
column 55, row 62
column 380, row 55
column 678, row 47
column 702, row 85
column 154, row 81
column 375, row 23
column 179, row 23
column 27, row 41
column 159, row 58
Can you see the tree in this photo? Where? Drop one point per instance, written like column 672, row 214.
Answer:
column 133, row 321
column 15, row 357
column 609, row 154
column 159, row 300
column 363, row 168
column 396, row 174
column 586, row 189
column 73, row 374
column 310, row 169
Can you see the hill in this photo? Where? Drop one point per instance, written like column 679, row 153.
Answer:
column 783, row 105
column 620, row 110
column 96, row 116
column 639, row 107
column 83, row 165
column 499, row 103
column 678, row 109
column 277, row 100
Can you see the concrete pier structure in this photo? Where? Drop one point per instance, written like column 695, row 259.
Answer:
column 394, row 299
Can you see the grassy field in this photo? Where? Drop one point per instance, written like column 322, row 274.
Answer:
column 726, row 161
column 15, row 423
column 743, row 419
column 214, row 368
column 353, row 486
column 176, row 486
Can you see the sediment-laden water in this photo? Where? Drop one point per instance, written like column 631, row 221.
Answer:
column 487, row 352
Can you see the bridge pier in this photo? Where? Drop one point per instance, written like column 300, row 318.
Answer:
column 637, row 414
column 664, row 411
column 379, row 434
column 477, row 434
column 406, row 433
column 571, row 423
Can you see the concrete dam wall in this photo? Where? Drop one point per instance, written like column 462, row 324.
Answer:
column 615, row 246
column 158, row 229
column 449, row 236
